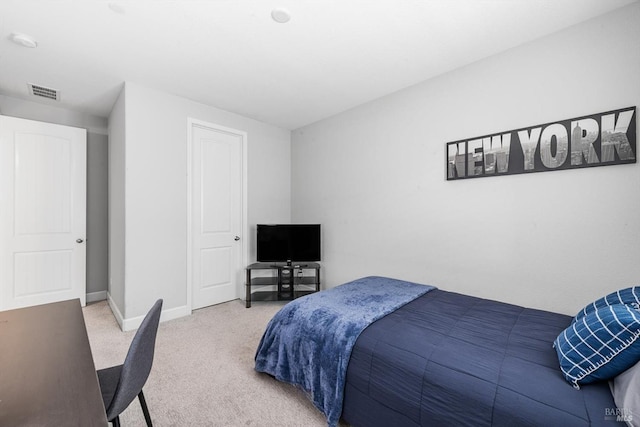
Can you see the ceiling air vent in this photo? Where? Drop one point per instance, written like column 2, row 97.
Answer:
column 44, row 92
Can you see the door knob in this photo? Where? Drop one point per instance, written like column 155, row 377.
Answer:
column 79, row 240
column 237, row 238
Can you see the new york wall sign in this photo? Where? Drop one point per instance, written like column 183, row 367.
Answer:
column 596, row 140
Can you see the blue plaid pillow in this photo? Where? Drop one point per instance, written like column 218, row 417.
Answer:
column 599, row 345
column 628, row 296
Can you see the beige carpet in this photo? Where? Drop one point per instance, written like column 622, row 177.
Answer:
column 203, row 370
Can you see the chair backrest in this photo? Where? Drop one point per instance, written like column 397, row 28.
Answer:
column 137, row 364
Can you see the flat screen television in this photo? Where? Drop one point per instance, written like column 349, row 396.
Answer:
column 288, row 242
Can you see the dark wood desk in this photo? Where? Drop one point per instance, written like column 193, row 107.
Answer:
column 47, row 375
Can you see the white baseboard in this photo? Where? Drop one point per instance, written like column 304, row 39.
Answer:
column 96, row 296
column 115, row 311
column 134, row 322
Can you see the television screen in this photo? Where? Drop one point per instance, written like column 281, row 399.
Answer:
column 288, row 242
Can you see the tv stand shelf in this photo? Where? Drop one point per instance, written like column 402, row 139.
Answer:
column 287, row 279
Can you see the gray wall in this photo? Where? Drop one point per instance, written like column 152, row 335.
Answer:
column 116, row 179
column 97, row 169
column 374, row 177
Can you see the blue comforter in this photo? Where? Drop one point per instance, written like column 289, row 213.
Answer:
column 447, row 359
column 308, row 343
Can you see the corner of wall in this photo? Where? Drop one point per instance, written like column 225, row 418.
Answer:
column 133, row 323
column 116, row 194
column 115, row 311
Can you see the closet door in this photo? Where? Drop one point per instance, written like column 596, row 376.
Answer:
column 216, row 227
column 42, row 213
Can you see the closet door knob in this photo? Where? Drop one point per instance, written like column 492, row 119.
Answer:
column 79, row 240
column 237, row 238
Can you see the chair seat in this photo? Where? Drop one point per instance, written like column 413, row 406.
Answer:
column 109, row 379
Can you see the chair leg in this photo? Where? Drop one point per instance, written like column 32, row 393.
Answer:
column 145, row 410
column 116, row 421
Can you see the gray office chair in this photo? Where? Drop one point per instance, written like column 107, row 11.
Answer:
column 120, row 384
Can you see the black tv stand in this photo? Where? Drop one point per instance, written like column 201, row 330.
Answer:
column 290, row 280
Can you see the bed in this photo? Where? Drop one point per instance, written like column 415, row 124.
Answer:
column 413, row 355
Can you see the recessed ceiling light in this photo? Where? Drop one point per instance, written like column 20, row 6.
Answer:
column 280, row 15
column 23, row 40
column 117, row 8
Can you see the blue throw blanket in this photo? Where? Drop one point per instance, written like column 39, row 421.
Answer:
column 308, row 342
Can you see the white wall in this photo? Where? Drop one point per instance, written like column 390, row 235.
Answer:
column 374, row 177
column 155, row 191
column 117, row 230
column 97, row 145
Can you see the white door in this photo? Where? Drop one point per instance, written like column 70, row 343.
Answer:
column 216, row 213
column 42, row 213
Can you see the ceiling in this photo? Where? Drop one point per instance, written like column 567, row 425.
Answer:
column 331, row 56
